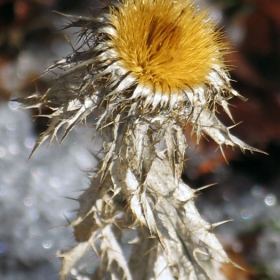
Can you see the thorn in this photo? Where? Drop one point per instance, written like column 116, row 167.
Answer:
column 206, row 187
column 238, row 266
column 68, row 197
column 234, row 125
column 224, row 156
column 220, row 223
column 68, row 221
column 96, row 155
column 73, row 16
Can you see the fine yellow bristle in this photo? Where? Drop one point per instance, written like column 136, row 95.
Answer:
column 167, row 44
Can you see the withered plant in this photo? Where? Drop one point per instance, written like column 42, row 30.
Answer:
column 146, row 69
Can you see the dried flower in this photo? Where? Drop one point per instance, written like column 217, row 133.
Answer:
column 148, row 68
column 174, row 50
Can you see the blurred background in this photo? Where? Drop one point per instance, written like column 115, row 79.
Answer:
column 34, row 195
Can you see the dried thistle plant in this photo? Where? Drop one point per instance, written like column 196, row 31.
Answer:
column 147, row 68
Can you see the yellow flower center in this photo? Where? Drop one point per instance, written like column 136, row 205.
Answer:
column 166, row 43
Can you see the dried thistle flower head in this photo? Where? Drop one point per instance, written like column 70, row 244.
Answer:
column 166, row 47
column 163, row 56
column 148, row 67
